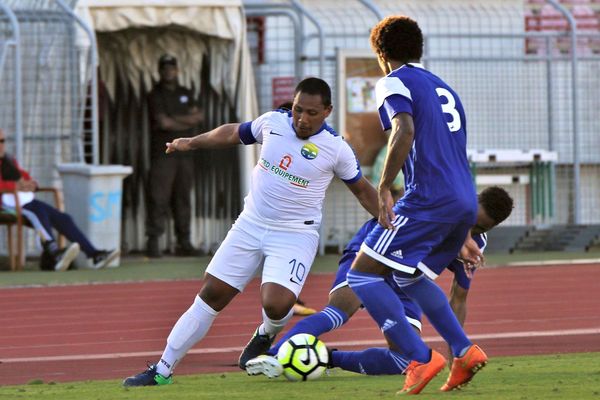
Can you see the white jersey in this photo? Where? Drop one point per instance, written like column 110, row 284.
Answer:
column 292, row 175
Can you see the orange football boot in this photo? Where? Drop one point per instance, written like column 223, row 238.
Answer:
column 464, row 368
column 418, row 375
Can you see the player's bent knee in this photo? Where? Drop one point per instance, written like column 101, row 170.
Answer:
column 277, row 311
column 345, row 299
column 277, row 300
column 365, row 264
column 216, row 293
column 403, row 279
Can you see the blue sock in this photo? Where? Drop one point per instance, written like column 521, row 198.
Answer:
column 432, row 300
column 326, row 320
column 373, row 361
column 387, row 310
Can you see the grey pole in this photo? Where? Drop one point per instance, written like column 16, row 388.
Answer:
column 94, row 80
column 369, row 4
column 575, row 114
column 288, row 12
column 321, row 34
column 18, row 81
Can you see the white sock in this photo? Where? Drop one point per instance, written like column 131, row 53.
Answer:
column 272, row 327
column 188, row 330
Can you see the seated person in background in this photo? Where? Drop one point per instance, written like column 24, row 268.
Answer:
column 43, row 217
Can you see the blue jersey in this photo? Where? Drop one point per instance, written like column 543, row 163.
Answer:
column 438, row 184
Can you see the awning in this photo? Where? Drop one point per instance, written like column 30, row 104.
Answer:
column 195, row 29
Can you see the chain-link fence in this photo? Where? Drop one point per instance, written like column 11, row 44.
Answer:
column 45, row 109
column 530, row 100
column 530, row 88
column 54, row 112
column 53, row 79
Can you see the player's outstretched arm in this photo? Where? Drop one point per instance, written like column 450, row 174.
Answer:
column 224, row 136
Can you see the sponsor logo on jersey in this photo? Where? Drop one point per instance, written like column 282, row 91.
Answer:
column 283, row 174
column 285, row 162
column 310, row 151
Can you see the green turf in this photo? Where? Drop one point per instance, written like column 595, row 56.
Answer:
column 131, row 269
column 567, row 376
column 141, row 268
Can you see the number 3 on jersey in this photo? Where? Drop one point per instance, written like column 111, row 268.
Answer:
column 450, row 108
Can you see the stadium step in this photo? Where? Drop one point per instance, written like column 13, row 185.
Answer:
column 559, row 238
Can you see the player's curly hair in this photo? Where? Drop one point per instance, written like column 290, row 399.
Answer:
column 496, row 202
column 397, row 38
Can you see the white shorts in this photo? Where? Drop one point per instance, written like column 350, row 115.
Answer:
column 285, row 255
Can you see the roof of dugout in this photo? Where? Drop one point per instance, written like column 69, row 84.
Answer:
column 133, row 34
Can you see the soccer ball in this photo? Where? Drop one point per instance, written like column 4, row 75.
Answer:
column 303, row 357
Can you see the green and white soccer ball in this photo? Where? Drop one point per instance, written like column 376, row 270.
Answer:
column 303, row 357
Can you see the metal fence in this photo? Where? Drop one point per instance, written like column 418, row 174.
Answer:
column 529, row 83
column 46, row 107
column 49, row 82
column 531, row 100
column 52, row 112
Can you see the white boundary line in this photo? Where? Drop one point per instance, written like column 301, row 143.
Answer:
column 430, row 339
column 554, row 262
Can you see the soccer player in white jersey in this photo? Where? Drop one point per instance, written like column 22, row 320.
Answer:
column 419, row 235
column 278, row 227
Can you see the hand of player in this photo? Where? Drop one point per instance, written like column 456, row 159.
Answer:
column 469, row 269
column 471, row 255
column 181, row 144
column 386, row 212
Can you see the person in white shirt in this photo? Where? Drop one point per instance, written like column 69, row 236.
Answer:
column 17, row 194
column 278, row 228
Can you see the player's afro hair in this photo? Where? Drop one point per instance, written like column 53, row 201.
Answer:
column 397, row 38
column 496, row 202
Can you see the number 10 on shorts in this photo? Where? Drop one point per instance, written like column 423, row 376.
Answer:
column 297, row 272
